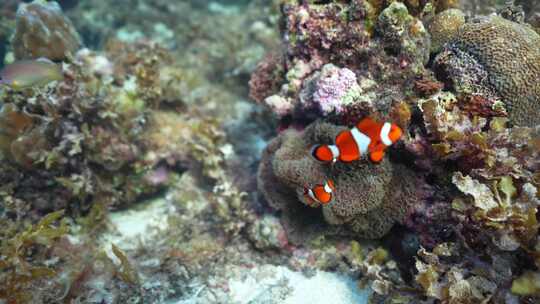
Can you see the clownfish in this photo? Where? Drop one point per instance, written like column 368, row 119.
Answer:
column 367, row 137
column 321, row 194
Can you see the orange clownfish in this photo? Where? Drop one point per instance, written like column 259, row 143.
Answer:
column 321, row 194
column 367, row 137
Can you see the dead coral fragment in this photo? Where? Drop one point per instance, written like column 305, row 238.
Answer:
column 42, row 30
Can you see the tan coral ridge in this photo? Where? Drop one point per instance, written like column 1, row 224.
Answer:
column 500, row 55
column 369, row 198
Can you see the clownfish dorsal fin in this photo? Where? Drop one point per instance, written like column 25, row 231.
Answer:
column 366, row 125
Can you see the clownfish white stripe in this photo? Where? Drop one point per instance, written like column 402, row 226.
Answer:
column 335, row 151
column 362, row 141
column 385, row 131
column 312, row 195
column 327, row 188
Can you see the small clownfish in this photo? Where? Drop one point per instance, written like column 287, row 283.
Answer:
column 367, row 137
column 321, row 194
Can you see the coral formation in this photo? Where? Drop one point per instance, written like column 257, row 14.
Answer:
column 145, row 152
column 42, row 30
column 404, row 35
column 444, row 27
column 331, row 89
column 336, row 54
column 475, row 197
column 495, row 56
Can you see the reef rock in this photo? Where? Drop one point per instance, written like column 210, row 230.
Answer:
column 42, row 30
column 403, row 34
column 369, row 198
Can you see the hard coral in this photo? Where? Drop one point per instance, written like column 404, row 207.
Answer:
column 492, row 55
column 444, row 27
column 369, row 198
column 404, row 35
column 266, row 78
column 42, row 30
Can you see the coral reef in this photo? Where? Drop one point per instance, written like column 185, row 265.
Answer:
column 42, row 30
column 71, row 139
column 404, row 35
column 137, row 176
column 493, row 56
column 331, row 89
column 472, row 202
column 332, row 64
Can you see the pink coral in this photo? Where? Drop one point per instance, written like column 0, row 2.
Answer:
column 333, row 88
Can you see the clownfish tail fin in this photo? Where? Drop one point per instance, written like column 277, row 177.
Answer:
column 325, row 153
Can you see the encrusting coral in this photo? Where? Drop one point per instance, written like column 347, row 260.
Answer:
column 368, row 198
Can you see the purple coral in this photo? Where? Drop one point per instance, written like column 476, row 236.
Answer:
column 333, row 88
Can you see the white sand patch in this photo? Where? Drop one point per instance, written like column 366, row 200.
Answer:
column 269, row 284
column 260, row 285
column 137, row 225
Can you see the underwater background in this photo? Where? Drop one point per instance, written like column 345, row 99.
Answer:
column 158, row 151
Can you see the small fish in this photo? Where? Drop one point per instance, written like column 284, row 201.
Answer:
column 367, row 137
column 321, row 194
column 29, row 73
